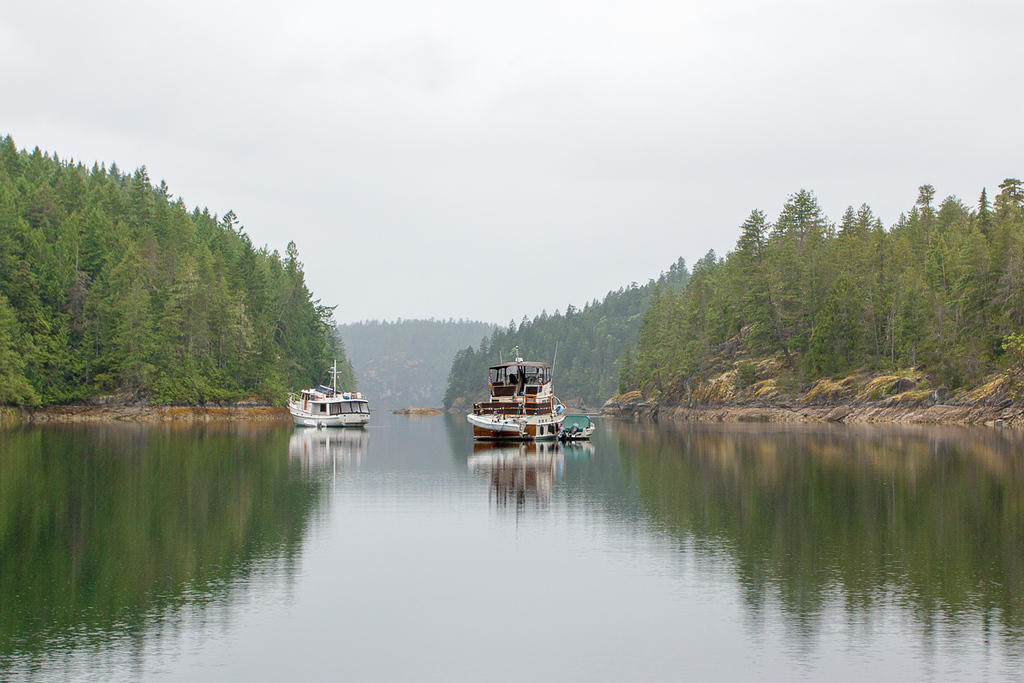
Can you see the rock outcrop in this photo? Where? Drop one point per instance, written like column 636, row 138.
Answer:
column 865, row 398
column 631, row 405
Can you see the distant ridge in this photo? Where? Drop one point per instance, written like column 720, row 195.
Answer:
column 405, row 363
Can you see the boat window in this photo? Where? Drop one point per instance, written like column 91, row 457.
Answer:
column 363, row 407
column 335, row 408
column 323, row 407
column 346, row 407
column 513, row 376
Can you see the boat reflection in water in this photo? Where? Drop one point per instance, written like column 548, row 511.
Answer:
column 577, row 450
column 518, row 472
column 318, row 449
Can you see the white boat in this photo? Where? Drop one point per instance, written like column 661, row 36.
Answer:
column 322, row 406
column 576, row 428
column 522, row 406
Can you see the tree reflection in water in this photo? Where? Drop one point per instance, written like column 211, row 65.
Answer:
column 931, row 519
column 107, row 532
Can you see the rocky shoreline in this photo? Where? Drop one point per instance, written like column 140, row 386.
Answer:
column 1007, row 414
column 418, row 412
column 151, row 414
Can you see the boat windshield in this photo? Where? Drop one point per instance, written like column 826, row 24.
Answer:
column 515, row 375
column 354, row 407
column 581, row 420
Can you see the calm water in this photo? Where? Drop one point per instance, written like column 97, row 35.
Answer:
column 404, row 552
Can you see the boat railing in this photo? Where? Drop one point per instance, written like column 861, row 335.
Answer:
column 502, row 408
column 508, row 390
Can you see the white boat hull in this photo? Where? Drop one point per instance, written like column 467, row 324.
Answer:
column 579, row 436
column 532, row 428
column 302, row 418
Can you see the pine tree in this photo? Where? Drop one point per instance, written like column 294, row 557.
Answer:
column 984, row 211
column 114, row 288
column 14, row 386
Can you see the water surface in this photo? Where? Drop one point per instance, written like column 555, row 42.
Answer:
column 407, row 552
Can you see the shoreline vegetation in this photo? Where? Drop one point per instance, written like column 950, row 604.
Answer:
column 146, row 414
column 806, row 320
column 112, row 286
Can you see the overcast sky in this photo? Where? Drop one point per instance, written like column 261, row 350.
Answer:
column 490, row 160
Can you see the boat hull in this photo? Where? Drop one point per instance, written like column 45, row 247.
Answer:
column 583, row 435
column 305, row 419
column 491, row 428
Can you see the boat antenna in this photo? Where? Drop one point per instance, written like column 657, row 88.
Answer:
column 555, row 358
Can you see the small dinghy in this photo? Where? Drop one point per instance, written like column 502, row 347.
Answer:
column 576, row 428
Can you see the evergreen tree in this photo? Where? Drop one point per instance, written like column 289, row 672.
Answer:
column 591, row 342
column 942, row 289
column 109, row 286
column 984, row 211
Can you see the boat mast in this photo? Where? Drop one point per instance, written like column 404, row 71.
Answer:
column 334, row 376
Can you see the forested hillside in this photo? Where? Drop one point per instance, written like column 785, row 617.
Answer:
column 941, row 292
column 109, row 285
column 592, row 342
column 405, row 363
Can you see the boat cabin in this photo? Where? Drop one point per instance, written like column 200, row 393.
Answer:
column 333, row 403
column 522, row 378
column 343, row 407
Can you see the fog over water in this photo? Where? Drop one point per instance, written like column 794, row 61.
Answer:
column 400, row 143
